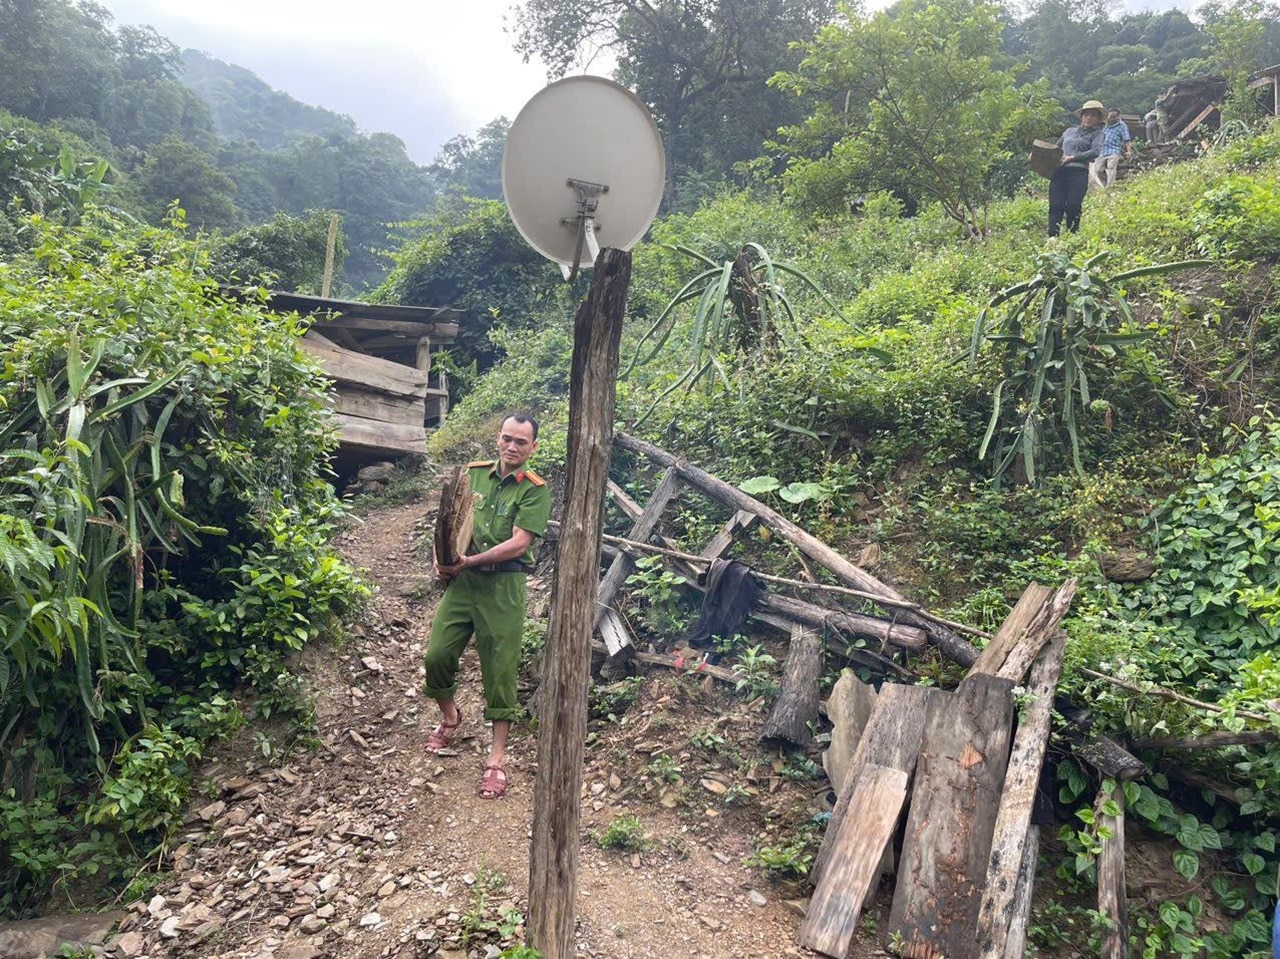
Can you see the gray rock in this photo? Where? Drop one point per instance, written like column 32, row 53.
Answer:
column 376, row 473
column 36, row 937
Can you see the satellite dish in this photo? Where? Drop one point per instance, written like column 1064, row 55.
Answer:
column 583, row 168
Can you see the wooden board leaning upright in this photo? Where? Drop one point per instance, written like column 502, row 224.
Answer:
column 953, row 811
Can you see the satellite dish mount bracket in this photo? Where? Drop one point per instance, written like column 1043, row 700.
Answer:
column 585, row 222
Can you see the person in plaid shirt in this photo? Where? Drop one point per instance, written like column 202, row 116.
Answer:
column 1115, row 141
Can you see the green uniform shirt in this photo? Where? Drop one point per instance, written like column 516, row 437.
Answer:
column 520, row 499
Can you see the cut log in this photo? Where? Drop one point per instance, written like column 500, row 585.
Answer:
column 1109, row 757
column 1042, row 628
column 614, row 632
column 833, row 912
column 622, row 565
column 1232, row 794
column 795, row 711
column 1012, row 629
column 953, row 812
column 1111, row 888
column 848, row 707
column 1126, row 566
column 383, row 407
column 892, row 738
column 387, row 438
column 1215, row 740
column 1000, row 892
column 371, row 372
column 1016, row 941
column 441, row 329
column 856, row 624
column 454, row 518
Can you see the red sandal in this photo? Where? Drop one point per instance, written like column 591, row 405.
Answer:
column 493, row 784
column 443, row 734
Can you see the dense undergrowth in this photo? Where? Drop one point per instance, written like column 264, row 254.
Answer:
column 164, row 526
column 867, row 416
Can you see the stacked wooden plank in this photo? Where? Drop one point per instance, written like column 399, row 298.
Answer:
column 944, row 758
column 942, row 770
column 380, row 357
column 381, row 405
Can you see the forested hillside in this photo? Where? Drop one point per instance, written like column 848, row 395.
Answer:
column 244, row 107
column 189, row 128
column 848, row 306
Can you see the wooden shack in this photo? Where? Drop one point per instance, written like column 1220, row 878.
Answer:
column 380, row 357
column 1268, row 82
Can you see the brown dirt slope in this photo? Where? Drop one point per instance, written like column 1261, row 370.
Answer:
column 368, row 847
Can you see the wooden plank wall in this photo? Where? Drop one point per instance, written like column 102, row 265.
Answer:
column 381, row 405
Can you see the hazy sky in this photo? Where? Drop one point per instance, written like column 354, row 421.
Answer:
column 424, row 70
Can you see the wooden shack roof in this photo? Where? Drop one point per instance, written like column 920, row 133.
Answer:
column 379, row 329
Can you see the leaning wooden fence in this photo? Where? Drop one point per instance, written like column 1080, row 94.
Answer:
column 953, row 773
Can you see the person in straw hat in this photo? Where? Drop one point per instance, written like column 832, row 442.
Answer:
column 1069, row 183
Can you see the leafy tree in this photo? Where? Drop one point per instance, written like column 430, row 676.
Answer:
column 701, row 66
column 370, row 179
column 456, row 263
column 176, row 170
column 290, row 249
column 1238, row 33
column 61, row 59
column 472, row 166
column 56, row 58
column 916, row 99
column 1084, row 53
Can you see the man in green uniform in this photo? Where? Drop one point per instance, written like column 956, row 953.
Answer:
column 486, row 598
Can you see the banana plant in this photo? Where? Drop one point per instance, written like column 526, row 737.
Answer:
column 1057, row 330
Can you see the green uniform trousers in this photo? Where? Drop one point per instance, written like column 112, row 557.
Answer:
column 489, row 606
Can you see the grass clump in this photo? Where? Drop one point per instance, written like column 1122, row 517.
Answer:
column 625, row 833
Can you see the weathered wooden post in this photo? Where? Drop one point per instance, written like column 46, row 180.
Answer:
column 562, row 719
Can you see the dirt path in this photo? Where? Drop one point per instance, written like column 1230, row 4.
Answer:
column 369, row 847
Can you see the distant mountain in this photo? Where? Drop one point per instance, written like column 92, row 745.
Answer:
column 245, row 107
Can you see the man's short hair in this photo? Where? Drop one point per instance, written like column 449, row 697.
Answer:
column 524, row 418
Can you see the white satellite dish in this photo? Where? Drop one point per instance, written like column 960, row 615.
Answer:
column 583, row 168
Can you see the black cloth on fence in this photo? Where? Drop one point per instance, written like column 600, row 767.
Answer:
column 732, row 591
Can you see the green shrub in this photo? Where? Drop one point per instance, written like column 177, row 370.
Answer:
column 625, row 833
column 1217, row 542
column 1239, row 218
column 164, row 527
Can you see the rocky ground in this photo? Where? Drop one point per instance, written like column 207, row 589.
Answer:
column 366, row 846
